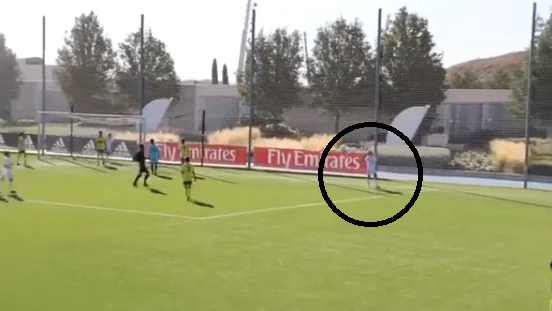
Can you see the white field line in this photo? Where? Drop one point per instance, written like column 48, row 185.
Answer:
column 109, row 209
column 176, row 216
column 284, row 208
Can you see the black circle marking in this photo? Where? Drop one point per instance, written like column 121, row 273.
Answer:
column 379, row 223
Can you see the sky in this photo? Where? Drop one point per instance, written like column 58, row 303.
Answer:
column 195, row 32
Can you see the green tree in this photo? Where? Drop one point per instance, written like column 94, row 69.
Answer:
column 464, row 79
column 10, row 79
column 214, row 72
column 277, row 64
column 160, row 76
column 500, row 80
column 414, row 70
column 541, row 78
column 224, row 74
column 85, row 65
column 341, row 70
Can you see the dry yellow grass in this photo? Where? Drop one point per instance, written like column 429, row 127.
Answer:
column 158, row 136
column 239, row 136
column 508, row 154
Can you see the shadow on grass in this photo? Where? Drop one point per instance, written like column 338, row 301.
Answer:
column 163, row 177
column 83, row 165
column 28, row 167
column 111, row 168
column 218, row 179
column 47, row 162
column 202, row 204
column 117, row 164
column 157, row 191
column 2, row 199
column 16, row 197
column 390, row 192
column 302, row 178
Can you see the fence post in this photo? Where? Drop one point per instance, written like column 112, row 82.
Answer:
column 202, row 136
column 377, row 88
column 528, row 100
column 71, row 131
column 41, row 137
column 142, row 91
column 250, row 91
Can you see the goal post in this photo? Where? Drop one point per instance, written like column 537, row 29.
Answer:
column 74, row 134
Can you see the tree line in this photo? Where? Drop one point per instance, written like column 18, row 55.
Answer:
column 97, row 77
column 338, row 72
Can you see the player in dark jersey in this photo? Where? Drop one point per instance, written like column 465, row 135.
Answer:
column 140, row 157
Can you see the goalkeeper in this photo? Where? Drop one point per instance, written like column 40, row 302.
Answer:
column 188, row 174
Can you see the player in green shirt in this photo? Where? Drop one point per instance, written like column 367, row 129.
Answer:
column 188, row 175
column 21, row 149
column 101, row 145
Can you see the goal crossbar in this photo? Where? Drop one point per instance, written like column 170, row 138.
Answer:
column 64, row 133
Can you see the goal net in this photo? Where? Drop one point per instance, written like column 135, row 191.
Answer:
column 74, row 134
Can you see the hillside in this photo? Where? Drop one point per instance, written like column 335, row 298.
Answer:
column 484, row 67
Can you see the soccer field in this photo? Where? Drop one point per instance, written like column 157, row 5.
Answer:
column 84, row 239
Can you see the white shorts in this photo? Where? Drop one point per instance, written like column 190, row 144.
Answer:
column 7, row 173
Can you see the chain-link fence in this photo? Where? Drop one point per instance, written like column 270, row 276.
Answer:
column 296, row 91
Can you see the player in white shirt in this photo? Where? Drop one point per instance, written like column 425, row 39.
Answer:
column 371, row 163
column 7, row 171
column 109, row 144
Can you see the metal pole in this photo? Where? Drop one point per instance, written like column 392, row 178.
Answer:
column 377, row 87
column 202, row 136
column 71, row 139
column 251, row 89
column 142, row 92
column 41, row 141
column 529, row 98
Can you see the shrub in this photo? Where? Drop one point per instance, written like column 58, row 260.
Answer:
column 279, row 130
column 474, row 161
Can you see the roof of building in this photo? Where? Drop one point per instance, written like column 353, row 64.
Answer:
column 458, row 96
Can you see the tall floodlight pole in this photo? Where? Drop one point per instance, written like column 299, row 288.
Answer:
column 529, row 98
column 377, row 89
column 251, row 89
column 243, row 44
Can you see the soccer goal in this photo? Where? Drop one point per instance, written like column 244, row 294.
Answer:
column 75, row 134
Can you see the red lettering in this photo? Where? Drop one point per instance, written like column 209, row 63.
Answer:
column 338, row 162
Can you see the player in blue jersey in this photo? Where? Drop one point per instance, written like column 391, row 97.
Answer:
column 371, row 164
column 153, row 156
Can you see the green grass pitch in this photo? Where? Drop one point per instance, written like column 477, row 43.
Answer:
column 85, row 239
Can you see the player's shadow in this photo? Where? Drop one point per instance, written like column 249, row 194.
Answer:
column 486, row 196
column 2, row 199
column 390, row 192
column 116, row 164
column 163, row 177
column 111, row 168
column 157, row 191
column 47, row 162
column 28, row 167
column 326, row 183
column 202, row 204
column 97, row 169
column 219, row 179
column 16, row 197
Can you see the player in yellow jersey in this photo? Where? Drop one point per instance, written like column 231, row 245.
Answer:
column 188, row 175
column 21, row 149
column 101, row 145
column 184, row 151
